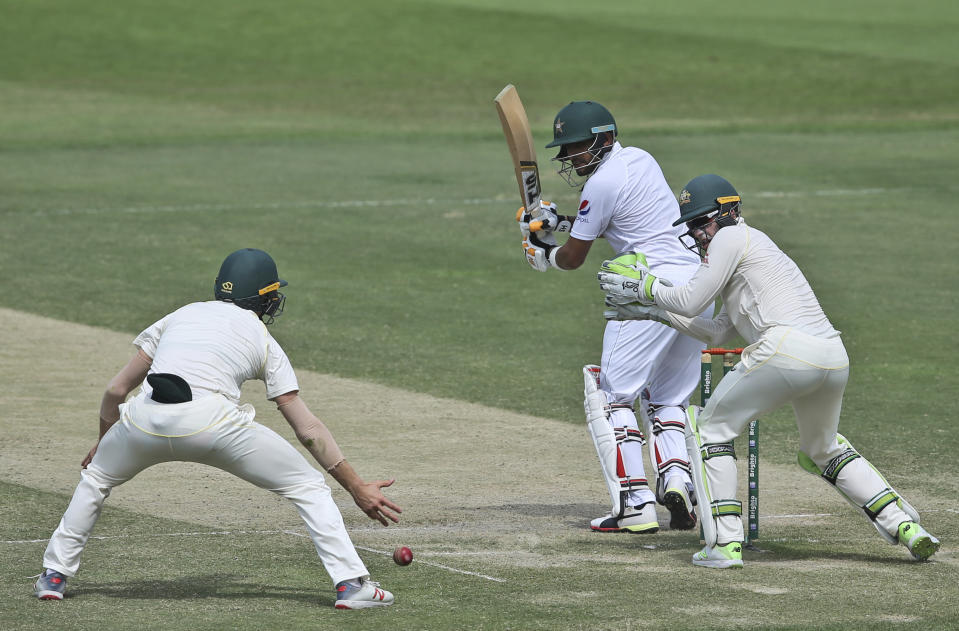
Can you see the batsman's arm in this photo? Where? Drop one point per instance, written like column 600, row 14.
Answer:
column 572, row 254
column 316, row 437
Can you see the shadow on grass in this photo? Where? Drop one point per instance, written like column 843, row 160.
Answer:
column 201, row 586
column 804, row 551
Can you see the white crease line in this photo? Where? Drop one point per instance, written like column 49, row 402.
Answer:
column 439, row 565
column 386, row 203
column 261, row 532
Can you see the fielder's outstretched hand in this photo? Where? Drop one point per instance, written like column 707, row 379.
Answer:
column 377, row 506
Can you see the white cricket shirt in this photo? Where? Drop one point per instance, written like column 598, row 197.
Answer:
column 760, row 286
column 628, row 201
column 216, row 346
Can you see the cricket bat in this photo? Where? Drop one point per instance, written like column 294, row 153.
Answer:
column 512, row 115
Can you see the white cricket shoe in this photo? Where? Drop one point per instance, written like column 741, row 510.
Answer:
column 642, row 519
column 720, row 556
column 368, row 594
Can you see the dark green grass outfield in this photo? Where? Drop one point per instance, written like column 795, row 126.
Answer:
column 141, row 142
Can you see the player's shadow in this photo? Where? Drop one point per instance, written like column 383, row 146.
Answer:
column 801, row 550
column 573, row 515
column 202, row 586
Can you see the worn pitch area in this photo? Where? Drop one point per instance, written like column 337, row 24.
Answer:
column 482, row 489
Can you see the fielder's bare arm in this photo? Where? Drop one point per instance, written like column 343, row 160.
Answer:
column 194, row 362
column 794, row 356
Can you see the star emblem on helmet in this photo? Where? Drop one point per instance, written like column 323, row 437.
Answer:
column 558, row 126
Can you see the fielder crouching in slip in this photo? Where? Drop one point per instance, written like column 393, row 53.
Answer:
column 794, row 356
column 195, row 361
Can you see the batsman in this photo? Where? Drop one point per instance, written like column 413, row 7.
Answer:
column 625, row 199
column 794, row 356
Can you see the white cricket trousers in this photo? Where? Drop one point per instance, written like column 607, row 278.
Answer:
column 638, row 355
column 787, row 366
column 212, row 431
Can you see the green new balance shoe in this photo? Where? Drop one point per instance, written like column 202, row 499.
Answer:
column 920, row 543
column 720, row 556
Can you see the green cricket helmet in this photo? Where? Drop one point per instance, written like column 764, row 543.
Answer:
column 704, row 200
column 579, row 121
column 704, row 195
column 248, row 278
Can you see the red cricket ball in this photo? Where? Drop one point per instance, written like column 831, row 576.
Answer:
column 403, row 555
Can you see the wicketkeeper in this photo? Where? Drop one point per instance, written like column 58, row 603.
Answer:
column 794, row 356
column 194, row 361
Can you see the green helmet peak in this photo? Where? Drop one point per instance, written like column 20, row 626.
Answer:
column 248, row 278
column 579, row 121
column 705, row 194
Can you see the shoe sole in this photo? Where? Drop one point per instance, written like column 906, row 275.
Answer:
column 924, row 548
column 719, row 565
column 360, row 604
column 600, row 529
column 646, row 529
column 50, row 596
column 680, row 517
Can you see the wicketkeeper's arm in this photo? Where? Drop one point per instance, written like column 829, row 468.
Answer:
column 714, row 331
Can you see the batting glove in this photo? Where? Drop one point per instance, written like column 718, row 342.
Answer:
column 546, row 221
column 627, row 279
column 540, row 251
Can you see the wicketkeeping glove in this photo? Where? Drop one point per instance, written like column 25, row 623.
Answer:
column 546, row 221
column 627, row 279
column 635, row 311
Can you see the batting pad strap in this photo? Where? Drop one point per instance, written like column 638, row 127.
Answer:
column 633, row 484
column 660, row 426
column 831, row 472
column 717, row 450
column 724, row 508
column 881, row 500
column 629, row 434
column 620, row 406
column 674, row 463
